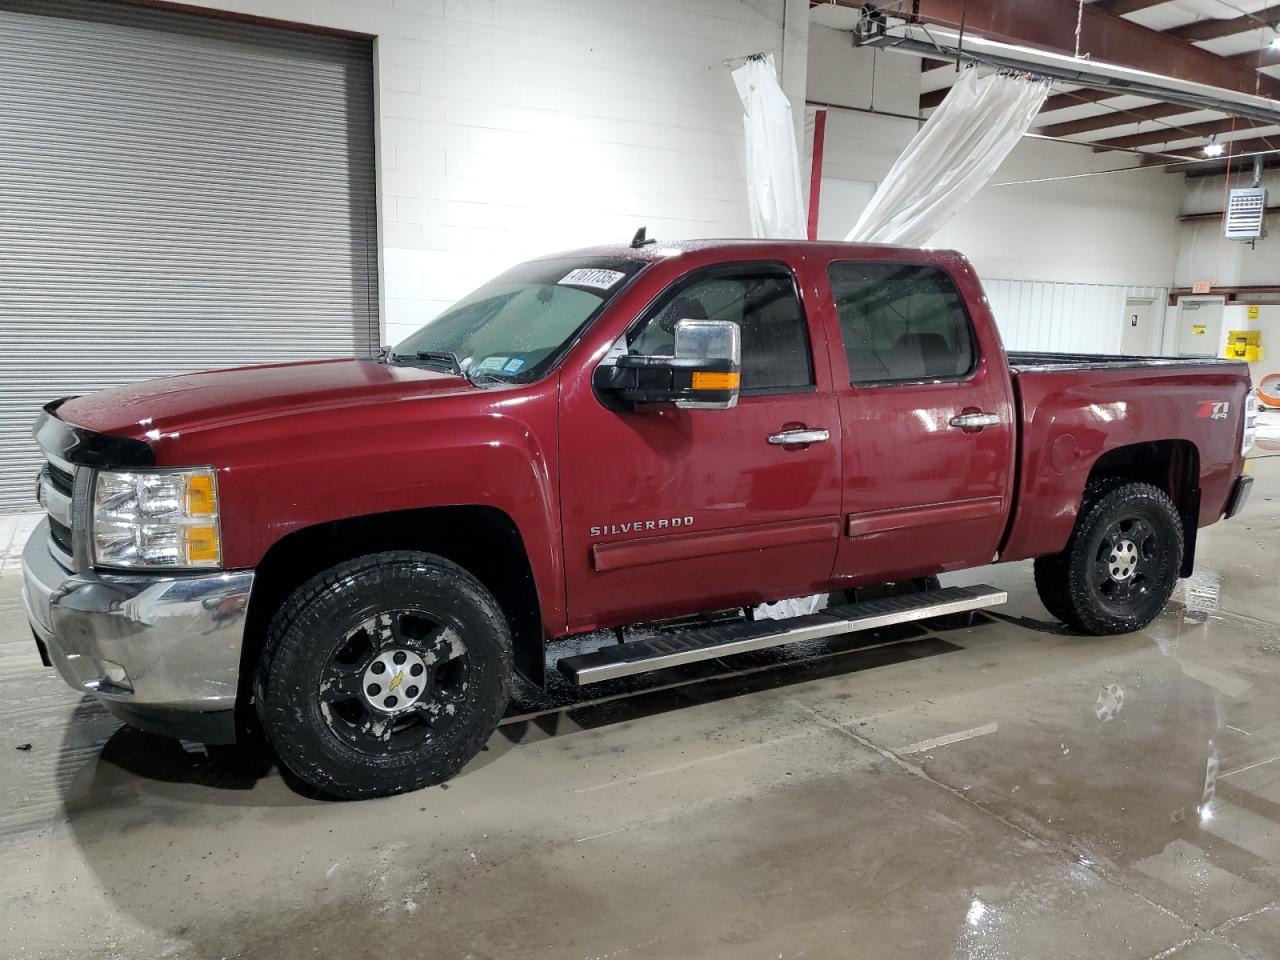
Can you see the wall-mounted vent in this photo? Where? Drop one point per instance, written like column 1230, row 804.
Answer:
column 1246, row 213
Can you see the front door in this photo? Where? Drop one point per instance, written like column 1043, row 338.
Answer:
column 927, row 415
column 672, row 511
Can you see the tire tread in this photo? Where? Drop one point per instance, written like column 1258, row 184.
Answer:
column 281, row 651
column 1061, row 578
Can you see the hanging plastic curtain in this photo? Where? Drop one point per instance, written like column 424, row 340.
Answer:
column 950, row 159
column 773, row 160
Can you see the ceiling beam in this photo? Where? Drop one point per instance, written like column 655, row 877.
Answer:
column 1266, row 57
column 1118, row 8
column 1113, row 118
column 1059, row 101
column 1184, row 131
column 1051, row 25
column 932, row 98
column 1213, row 29
column 1237, row 150
column 1062, row 101
column 1217, row 215
column 1217, row 169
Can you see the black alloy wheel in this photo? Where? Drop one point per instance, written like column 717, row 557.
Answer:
column 1121, row 563
column 383, row 674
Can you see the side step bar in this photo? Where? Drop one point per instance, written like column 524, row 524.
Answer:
column 691, row 646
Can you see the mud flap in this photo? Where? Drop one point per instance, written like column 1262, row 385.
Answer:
column 1189, row 511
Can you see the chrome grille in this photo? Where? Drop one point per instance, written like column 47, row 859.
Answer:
column 57, row 496
column 60, row 535
column 61, row 479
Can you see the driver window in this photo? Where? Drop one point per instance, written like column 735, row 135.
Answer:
column 762, row 301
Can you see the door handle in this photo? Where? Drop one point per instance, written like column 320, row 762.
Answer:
column 975, row 421
column 787, row 438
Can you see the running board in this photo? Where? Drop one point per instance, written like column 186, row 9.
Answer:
column 691, row 646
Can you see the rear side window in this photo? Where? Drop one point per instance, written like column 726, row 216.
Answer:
column 901, row 323
column 762, row 300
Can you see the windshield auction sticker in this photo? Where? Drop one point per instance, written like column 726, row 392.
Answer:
column 592, row 277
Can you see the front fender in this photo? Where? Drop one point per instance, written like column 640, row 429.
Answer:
column 491, row 448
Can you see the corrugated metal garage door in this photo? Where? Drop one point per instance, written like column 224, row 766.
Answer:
column 177, row 193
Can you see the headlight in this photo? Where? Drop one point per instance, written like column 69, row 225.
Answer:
column 163, row 518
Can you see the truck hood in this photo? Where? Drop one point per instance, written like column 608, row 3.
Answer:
column 194, row 401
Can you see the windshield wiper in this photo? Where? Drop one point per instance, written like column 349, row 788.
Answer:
column 454, row 364
column 451, row 361
column 442, row 356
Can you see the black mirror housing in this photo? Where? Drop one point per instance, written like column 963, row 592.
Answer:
column 704, row 373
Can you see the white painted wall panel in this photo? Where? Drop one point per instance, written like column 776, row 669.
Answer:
column 513, row 128
column 1064, row 317
column 1203, row 254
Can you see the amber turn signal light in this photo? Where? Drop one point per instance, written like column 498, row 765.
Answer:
column 707, row 380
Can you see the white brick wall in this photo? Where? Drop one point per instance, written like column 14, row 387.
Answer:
column 509, row 128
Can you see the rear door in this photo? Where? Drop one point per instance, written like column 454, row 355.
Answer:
column 927, row 421
column 670, row 511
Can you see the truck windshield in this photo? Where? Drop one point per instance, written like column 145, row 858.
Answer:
column 518, row 325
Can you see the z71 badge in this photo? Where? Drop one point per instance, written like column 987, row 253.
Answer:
column 1214, row 409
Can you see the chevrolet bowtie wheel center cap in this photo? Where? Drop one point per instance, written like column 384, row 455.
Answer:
column 394, row 681
column 1123, row 561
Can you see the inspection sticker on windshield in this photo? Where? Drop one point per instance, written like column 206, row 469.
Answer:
column 494, row 363
column 592, row 277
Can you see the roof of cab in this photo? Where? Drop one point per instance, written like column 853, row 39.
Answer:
column 658, row 249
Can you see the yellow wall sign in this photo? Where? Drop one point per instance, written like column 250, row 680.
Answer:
column 1254, row 312
column 1198, row 329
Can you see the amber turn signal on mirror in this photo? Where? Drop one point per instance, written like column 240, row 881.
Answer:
column 712, row 380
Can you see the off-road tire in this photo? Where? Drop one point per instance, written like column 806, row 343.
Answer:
column 1073, row 585
column 315, row 620
column 1051, row 584
column 1051, row 571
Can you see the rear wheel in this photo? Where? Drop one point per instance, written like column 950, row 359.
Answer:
column 384, row 674
column 1120, row 565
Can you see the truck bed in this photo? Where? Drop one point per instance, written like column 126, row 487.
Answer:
column 1076, row 408
column 1021, row 361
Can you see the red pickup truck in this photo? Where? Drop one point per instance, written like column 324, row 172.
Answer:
column 358, row 554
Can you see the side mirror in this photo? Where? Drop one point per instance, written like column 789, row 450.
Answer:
column 703, row 373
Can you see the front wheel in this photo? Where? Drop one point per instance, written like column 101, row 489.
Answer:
column 383, row 674
column 1120, row 565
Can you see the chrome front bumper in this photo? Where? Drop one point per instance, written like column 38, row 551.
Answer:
column 161, row 652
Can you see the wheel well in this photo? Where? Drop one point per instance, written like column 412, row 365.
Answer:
column 482, row 540
column 1171, row 465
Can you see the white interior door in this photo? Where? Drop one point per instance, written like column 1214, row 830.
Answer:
column 1135, row 340
column 1199, row 326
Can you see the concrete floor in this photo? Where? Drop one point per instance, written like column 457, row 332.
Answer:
column 974, row 790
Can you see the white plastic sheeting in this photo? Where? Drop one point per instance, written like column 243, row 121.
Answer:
column 795, row 607
column 773, row 159
column 950, row 159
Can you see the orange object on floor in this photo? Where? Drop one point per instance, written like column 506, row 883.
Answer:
column 1269, row 391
